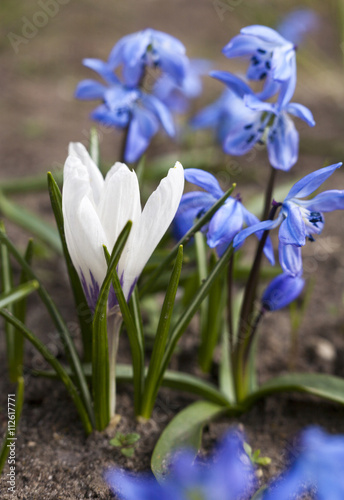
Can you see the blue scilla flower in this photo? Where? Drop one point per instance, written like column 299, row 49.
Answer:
column 299, row 219
column 297, row 24
column 227, row 221
column 316, row 466
column 124, row 106
column 281, row 291
column 229, row 476
column 176, row 96
column 149, row 48
column 272, row 58
column 253, row 120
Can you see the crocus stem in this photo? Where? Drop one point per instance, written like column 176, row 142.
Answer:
column 124, row 143
column 114, row 323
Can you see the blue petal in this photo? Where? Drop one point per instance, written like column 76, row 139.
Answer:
column 241, row 46
column 142, row 128
column 325, row 202
column 225, row 224
column 271, row 87
column 311, row 182
column 176, row 67
column 290, row 259
column 288, row 85
column 118, row 97
column 105, row 70
column 110, row 118
column 283, row 143
column 161, row 111
column 266, row 34
column 204, row 180
column 297, row 24
column 301, row 112
column 90, row 89
column 261, row 226
column 192, row 206
column 233, row 82
column 292, row 230
column 281, row 292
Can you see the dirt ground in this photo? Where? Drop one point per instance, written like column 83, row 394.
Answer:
column 39, row 117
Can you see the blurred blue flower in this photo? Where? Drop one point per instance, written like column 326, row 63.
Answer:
column 229, row 476
column 299, row 219
column 149, row 48
column 297, row 24
column 175, row 95
column 124, row 106
column 225, row 223
column 316, row 466
column 272, row 58
column 281, row 291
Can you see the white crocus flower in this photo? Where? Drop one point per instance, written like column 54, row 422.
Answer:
column 95, row 211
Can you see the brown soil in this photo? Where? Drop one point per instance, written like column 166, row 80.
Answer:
column 39, row 117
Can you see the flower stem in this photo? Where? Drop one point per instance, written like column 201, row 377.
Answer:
column 114, row 327
column 124, row 143
column 268, row 193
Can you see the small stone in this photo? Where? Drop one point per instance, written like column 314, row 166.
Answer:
column 325, row 350
column 31, row 444
column 50, row 478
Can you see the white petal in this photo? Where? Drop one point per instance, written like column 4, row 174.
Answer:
column 120, row 201
column 79, row 151
column 146, row 233
column 83, row 230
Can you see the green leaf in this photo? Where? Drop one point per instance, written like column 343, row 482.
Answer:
column 30, row 222
column 61, row 326
column 56, row 365
column 18, row 293
column 135, row 339
column 17, row 413
column 193, row 307
column 152, row 379
column 100, row 350
column 184, row 430
column 318, row 384
column 131, row 438
column 116, row 442
column 82, row 308
column 128, row 452
column 196, row 227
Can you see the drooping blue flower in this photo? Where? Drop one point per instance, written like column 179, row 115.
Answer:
column 229, row 476
column 272, row 58
column 281, row 291
column 316, row 466
column 125, row 106
column 176, row 95
column 299, row 219
column 225, row 223
column 251, row 120
column 150, row 48
column 297, row 24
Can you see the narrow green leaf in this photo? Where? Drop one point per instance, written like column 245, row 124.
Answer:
column 83, row 311
column 318, row 384
column 18, row 293
column 61, row 326
column 193, row 307
column 226, row 380
column 30, row 222
column 196, row 227
column 100, row 350
column 134, row 340
column 152, row 380
column 94, row 146
column 184, row 430
column 5, row 449
column 136, row 313
column 49, row 357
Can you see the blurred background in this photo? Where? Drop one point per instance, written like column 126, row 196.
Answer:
column 43, row 43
